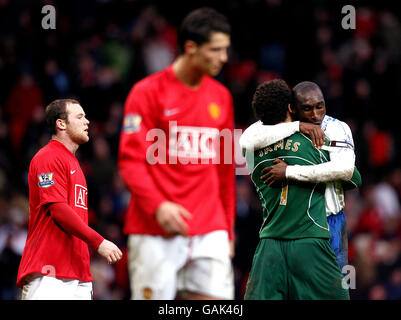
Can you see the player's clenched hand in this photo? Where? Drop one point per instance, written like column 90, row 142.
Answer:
column 110, row 251
column 274, row 174
column 171, row 217
column 314, row 131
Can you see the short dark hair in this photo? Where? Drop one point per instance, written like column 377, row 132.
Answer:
column 270, row 101
column 199, row 24
column 57, row 109
column 302, row 88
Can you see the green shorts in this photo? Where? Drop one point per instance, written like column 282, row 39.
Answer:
column 304, row 269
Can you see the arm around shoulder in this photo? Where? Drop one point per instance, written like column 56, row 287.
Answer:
column 258, row 135
column 334, row 170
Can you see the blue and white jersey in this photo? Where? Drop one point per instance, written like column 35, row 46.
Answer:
column 338, row 131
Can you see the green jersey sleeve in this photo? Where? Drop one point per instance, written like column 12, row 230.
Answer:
column 354, row 182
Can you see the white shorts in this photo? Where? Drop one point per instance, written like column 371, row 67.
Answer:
column 159, row 266
column 39, row 287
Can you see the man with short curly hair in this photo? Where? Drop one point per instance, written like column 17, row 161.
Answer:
column 268, row 102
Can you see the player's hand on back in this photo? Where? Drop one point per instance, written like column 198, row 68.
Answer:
column 109, row 251
column 314, row 131
column 171, row 217
column 274, row 175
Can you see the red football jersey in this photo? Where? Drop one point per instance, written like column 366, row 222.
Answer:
column 169, row 150
column 55, row 176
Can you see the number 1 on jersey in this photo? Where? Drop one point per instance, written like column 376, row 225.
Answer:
column 284, row 194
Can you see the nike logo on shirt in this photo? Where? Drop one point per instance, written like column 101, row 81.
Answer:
column 72, row 171
column 170, row 112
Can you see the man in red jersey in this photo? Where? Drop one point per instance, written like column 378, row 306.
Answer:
column 55, row 262
column 180, row 219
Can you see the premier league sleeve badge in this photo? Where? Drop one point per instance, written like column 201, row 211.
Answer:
column 46, row 180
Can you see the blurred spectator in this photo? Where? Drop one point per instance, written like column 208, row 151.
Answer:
column 248, row 218
column 393, row 286
column 103, row 277
column 395, row 181
column 380, row 144
column 377, row 292
column 159, row 40
column 115, row 53
column 390, row 33
column 13, row 233
column 102, row 166
column 369, row 220
column 56, row 83
column 25, row 98
column 386, row 201
column 366, row 21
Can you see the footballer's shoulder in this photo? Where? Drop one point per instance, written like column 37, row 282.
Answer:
column 51, row 153
column 47, row 161
column 147, row 88
column 216, row 85
column 332, row 123
column 328, row 121
column 43, row 152
column 336, row 129
column 150, row 81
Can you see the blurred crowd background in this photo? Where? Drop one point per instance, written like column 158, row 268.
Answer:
column 100, row 48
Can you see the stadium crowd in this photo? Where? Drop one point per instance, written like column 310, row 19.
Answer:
column 100, row 48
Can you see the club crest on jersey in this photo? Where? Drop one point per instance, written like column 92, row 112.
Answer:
column 214, row 110
column 46, row 180
column 81, row 197
column 132, row 123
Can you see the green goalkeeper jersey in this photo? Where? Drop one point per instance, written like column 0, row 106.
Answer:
column 295, row 210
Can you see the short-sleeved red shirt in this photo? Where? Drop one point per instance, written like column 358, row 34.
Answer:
column 55, row 176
